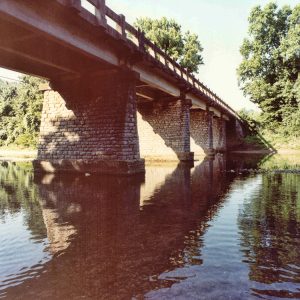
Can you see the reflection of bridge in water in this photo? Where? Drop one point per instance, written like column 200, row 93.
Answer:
column 105, row 242
column 117, row 237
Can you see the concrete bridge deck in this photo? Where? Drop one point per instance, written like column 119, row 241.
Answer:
column 115, row 97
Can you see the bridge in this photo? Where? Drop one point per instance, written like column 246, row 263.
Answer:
column 114, row 98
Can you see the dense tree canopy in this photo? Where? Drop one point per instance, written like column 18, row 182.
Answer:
column 269, row 72
column 20, row 111
column 167, row 34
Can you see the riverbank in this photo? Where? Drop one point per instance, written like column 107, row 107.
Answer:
column 265, row 140
column 264, row 171
column 32, row 153
column 282, row 161
column 18, row 154
column 262, row 151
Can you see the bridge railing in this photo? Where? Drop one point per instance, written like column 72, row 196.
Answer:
column 116, row 25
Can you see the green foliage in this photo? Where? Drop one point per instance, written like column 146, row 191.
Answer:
column 253, row 118
column 283, row 135
column 20, row 112
column 291, row 123
column 18, row 192
column 185, row 48
column 280, row 162
column 254, row 141
column 269, row 72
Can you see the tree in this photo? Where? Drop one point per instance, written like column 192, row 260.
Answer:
column 185, row 48
column 20, row 111
column 269, row 72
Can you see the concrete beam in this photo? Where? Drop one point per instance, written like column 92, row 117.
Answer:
column 58, row 27
column 157, row 81
column 215, row 111
column 225, row 118
column 27, row 66
column 44, row 52
column 146, row 92
column 196, row 101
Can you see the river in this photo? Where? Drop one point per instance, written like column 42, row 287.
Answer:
column 213, row 230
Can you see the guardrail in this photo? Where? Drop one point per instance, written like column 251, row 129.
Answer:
column 116, row 25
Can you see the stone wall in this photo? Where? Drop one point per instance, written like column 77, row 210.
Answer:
column 200, row 144
column 99, row 131
column 202, row 141
column 164, row 130
column 224, row 136
column 216, row 132
column 92, row 125
column 219, row 134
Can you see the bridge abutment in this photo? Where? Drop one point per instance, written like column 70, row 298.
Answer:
column 234, row 135
column 90, row 126
column 164, row 130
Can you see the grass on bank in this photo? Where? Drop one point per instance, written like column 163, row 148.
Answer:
column 277, row 141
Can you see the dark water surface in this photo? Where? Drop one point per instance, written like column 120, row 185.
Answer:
column 182, row 232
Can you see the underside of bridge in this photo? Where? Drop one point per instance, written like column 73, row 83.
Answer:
column 108, row 105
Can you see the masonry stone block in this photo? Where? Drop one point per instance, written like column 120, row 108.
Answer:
column 164, row 130
column 201, row 132
column 219, row 134
column 90, row 126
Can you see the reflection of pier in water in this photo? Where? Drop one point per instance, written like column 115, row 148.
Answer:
column 116, row 234
column 58, row 233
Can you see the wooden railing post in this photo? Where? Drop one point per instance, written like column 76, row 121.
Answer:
column 145, row 46
column 101, row 12
column 141, row 39
column 121, row 27
column 70, row 3
column 166, row 61
column 193, row 79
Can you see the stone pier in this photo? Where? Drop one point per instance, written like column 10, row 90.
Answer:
column 208, row 132
column 164, row 130
column 90, row 126
column 202, row 132
column 219, row 134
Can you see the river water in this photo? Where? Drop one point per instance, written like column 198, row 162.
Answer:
column 211, row 230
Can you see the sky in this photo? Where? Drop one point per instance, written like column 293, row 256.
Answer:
column 221, row 26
